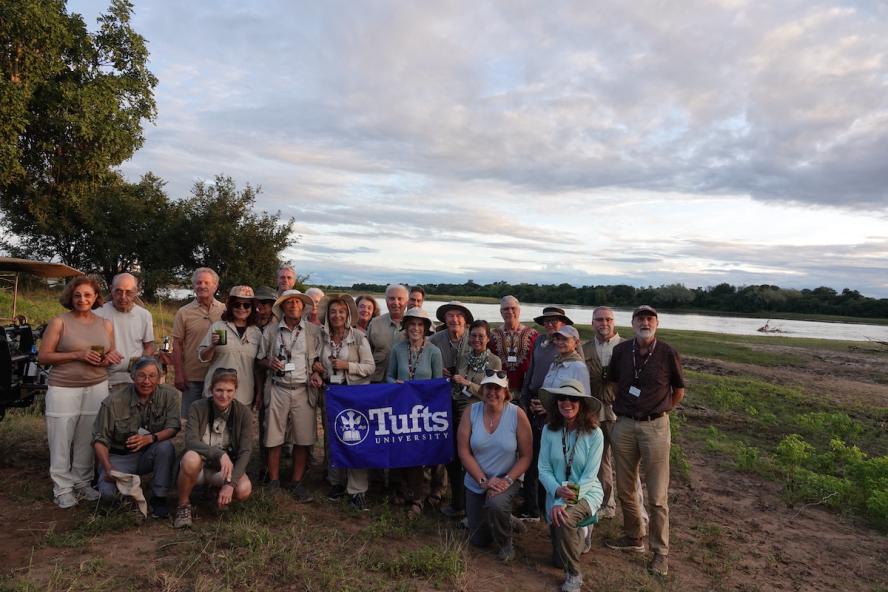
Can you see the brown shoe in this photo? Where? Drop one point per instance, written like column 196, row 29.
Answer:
column 624, row 543
column 659, row 565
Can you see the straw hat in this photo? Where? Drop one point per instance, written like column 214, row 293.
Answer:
column 307, row 302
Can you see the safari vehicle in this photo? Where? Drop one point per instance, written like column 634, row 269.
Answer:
column 21, row 378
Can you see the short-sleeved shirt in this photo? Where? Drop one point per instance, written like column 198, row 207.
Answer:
column 122, row 414
column 383, row 334
column 658, row 376
column 278, row 334
column 132, row 330
column 191, row 324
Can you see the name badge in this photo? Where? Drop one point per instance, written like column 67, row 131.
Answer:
column 512, row 359
column 634, row 391
column 337, row 379
column 289, row 367
column 467, row 392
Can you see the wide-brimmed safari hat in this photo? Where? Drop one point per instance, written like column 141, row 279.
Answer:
column 307, row 302
column 265, row 294
column 417, row 313
column 551, row 312
column 455, row 305
column 245, row 292
column 349, row 302
column 572, row 388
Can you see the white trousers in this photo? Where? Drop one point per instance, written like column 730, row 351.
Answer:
column 70, row 414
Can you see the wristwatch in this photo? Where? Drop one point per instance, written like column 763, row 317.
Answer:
column 482, row 480
column 508, row 480
column 154, row 438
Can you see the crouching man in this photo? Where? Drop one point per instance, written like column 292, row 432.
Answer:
column 218, row 440
column 133, row 431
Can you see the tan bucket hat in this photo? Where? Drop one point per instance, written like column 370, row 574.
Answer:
column 418, row 313
column 307, row 302
column 455, row 305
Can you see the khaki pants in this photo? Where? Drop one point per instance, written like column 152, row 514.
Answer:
column 644, row 443
column 606, row 475
column 568, row 540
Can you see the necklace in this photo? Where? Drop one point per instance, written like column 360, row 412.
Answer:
column 413, row 360
column 492, row 420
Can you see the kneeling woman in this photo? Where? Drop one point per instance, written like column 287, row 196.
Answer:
column 218, row 440
column 495, row 446
column 570, row 454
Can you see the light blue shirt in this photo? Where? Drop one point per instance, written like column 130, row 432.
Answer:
column 584, row 470
column 495, row 453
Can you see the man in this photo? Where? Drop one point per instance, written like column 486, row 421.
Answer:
column 647, row 379
column 544, row 352
column 189, row 327
column 287, row 350
column 263, row 302
column 417, row 297
column 133, row 433
column 286, row 278
column 513, row 343
column 385, row 330
column 316, row 295
column 453, row 342
column 133, row 328
column 598, row 355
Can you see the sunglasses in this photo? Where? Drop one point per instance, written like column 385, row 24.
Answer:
column 243, row 305
column 568, row 398
column 499, row 373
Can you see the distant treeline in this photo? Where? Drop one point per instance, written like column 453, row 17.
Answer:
column 723, row 297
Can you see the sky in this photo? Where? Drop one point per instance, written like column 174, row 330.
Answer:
column 639, row 142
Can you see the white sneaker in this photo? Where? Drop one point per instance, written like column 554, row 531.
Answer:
column 587, row 545
column 85, row 492
column 572, row 583
column 65, row 500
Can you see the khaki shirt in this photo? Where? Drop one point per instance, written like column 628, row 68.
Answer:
column 304, row 350
column 191, row 324
column 121, row 416
column 598, row 357
column 383, row 334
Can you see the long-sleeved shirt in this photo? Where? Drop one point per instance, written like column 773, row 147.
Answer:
column 240, row 435
column 122, row 414
column 428, row 365
column 586, row 448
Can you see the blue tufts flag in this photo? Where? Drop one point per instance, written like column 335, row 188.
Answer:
column 380, row 426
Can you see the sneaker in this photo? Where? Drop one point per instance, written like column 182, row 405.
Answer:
column 183, row 517
column 65, row 500
column 527, row 516
column 359, row 502
column 451, row 512
column 572, row 583
column 506, row 553
column 587, row 545
column 159, row 508
column 463, row 524
column 300, row 493
column 87, row 493
column 624, row 543
column 336, row 492
column 659, row 565
column 273, row 484
column 606, row 513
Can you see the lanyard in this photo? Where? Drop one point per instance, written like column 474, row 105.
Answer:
column 294, row 335
column 568, row 460
column 413, row 361
column 635, row 363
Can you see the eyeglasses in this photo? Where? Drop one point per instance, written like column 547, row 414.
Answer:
column 568, row 398
column 141, row 376
column 244, row 305
column 490, row 372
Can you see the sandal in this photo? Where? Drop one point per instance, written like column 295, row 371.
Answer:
column 434, row 500
column 415, row 510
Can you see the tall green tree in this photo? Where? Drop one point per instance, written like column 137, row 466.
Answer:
column 229, row 236
column 72, row 105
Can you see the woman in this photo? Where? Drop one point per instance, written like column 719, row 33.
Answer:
column 414, row 358
column 367, row 311
column 467, row 388
column 495, row 446
column 570, row 455
column 568, row 363
column 233, row 342
column 79, row 345
column 345, row 359
column 218, row 443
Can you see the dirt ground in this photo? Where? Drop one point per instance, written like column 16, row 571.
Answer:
column 729, row 530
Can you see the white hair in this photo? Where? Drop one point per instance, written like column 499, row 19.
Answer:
column 396, row 288
column 506, row 300
column 122, row 276
column 312, row 292
column 201, row 270
column 286, row 266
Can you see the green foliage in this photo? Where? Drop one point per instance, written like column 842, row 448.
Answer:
column 794, row 451
column 73, row 108
column 828, row 425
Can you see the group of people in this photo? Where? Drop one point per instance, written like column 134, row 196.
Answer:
column 544, row 418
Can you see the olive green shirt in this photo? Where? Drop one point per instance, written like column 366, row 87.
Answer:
column 122, row 414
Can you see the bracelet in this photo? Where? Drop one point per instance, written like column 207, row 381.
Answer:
column 482, row 480
column 508, row 480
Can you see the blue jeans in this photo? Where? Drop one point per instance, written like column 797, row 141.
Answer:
column 194, row 391
column 157, row 458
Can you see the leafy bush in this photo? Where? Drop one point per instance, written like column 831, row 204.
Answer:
column 828, row 425
column 793, row 451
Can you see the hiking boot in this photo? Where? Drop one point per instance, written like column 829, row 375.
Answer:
column 336, row 492
column 87, row 493
column 65, row 500
column 359, row 502
column 451, row 512
column 624, row 543
column 659, row 565
column 527, row 516
column 606, row 513
column 506, row 553
column 183, row 517
column 273, row 484
column 300, row 493
column 572, row 583
column 159, row 508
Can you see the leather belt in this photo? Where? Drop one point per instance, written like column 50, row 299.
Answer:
column 650, row 417
column 289, row 387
